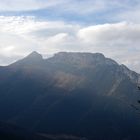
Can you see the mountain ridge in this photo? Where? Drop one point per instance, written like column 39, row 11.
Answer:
column 34, row 57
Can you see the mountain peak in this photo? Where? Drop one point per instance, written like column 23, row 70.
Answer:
column 31, row 59
column 34, row 55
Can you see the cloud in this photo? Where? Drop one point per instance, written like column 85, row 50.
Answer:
column 118, row 33
column 84, row 11
column 20, row 35
column 130, row 15
column 75, row 6
column 27, row 5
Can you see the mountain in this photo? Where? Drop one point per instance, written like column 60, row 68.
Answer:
column 75, row 95
column 12, row 132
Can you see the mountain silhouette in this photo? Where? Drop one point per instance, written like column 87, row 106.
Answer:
column 82, row 95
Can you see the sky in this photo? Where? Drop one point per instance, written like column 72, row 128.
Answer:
column 111, row 27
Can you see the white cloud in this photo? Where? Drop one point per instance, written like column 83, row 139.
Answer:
column 74, row 6
column 26, row 34
column 27, row 5
column 62, row 6
column 21, row 35
column 130, row 15
column 118, row 33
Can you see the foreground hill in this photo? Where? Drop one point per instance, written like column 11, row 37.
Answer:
column 76, row 94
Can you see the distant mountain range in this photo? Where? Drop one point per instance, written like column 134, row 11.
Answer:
column 71, row 96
